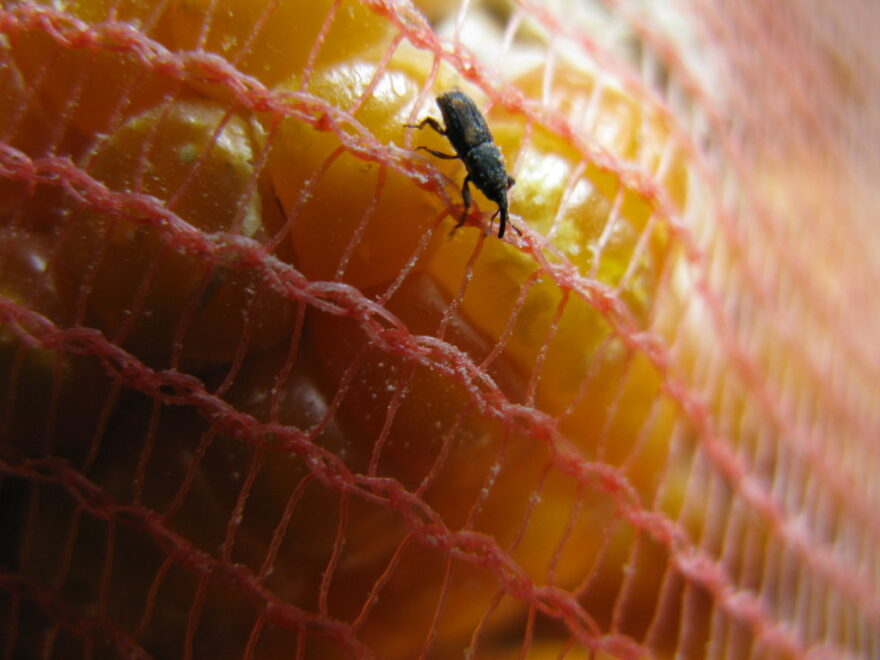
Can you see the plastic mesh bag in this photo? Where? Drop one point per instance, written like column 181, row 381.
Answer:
column 259, row 396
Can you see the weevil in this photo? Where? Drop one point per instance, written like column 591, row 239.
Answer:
column 468, row 133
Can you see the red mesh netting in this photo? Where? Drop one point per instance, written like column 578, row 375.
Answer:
column 258, row 400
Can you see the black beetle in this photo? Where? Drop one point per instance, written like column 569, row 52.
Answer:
column 467, row 131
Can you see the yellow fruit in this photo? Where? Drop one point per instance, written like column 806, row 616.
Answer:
column 92, row 89
column 358, row 220
column 273, row 40
column 131, row 281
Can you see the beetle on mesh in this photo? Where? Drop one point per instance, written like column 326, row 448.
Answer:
column 467, row 131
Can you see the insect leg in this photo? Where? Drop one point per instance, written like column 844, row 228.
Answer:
column 439, row 154
column 466, row 196
column 428, row 121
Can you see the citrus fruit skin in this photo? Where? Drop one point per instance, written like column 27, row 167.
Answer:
column 273, row 41
column 157, row 302
column 351, row 218
column 91, row 88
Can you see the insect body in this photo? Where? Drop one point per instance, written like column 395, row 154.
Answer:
column 467, row 131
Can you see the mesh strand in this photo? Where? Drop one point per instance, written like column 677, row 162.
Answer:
column 273, row 484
